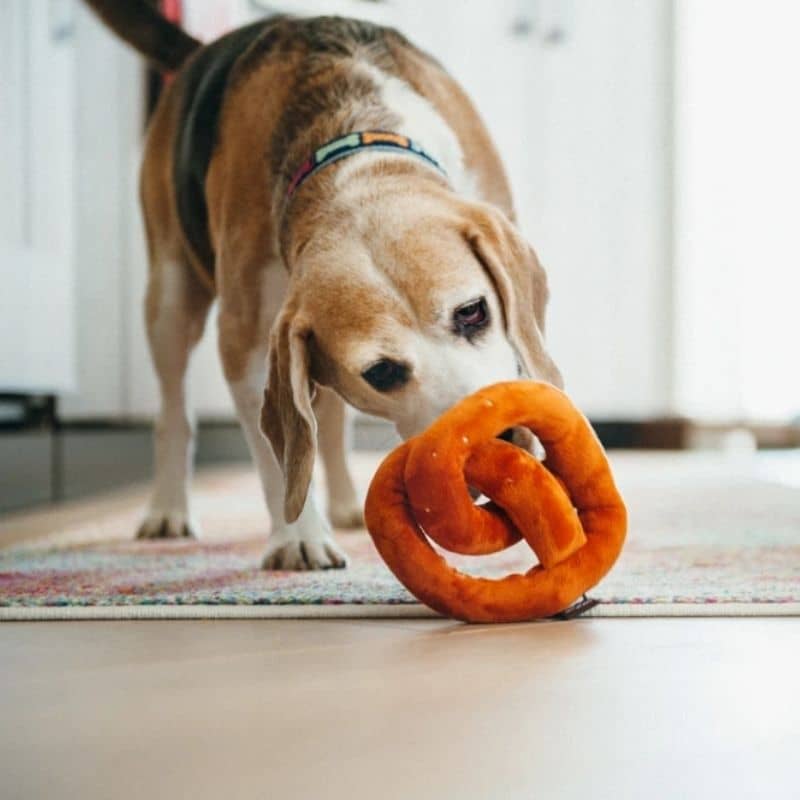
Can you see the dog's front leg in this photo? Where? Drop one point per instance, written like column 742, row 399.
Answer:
column 307, row 542
column 344, row 509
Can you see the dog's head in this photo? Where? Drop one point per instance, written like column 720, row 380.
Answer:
column 402, row 319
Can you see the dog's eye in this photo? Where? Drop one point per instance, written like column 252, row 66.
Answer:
column 385, row 375
column 471, row 317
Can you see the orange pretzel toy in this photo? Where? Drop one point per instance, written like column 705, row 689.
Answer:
column 568, row 508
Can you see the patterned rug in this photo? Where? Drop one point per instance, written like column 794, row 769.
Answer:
column 708, row 537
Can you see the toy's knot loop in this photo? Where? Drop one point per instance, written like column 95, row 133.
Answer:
column 527, row 500
column 567, row 509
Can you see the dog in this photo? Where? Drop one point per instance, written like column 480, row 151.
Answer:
column 333, row 188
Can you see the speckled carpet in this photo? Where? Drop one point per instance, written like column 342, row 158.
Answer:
column 708, row 537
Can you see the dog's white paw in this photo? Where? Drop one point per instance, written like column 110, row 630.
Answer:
column 346, row 516
column 167, row 525
column 291, row 551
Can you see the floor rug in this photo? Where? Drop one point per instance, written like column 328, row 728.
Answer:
column 709, row 536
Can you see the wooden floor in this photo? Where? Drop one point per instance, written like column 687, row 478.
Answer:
column 590, row 709
column 706, row 708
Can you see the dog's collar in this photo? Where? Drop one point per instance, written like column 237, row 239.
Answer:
column 352, row 143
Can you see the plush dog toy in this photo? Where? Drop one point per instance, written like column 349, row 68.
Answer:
column 567, row 508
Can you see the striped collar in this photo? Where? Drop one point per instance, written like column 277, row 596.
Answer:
column 352, row 143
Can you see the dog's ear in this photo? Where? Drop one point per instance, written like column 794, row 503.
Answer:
column 521, row 285
column 287, row 417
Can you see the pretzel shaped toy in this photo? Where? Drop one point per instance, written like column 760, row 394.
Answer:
column 568, row 508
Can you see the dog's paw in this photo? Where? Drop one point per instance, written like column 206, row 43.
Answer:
column 346, row 517
column 167, row 525
column 303, row 553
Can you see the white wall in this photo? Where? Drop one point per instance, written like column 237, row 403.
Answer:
column 738, row 206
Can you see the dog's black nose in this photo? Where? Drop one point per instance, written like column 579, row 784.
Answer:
column 507, row 435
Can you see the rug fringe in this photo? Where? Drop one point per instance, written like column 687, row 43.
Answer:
column 354, row 611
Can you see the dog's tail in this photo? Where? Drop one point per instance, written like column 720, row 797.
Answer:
column 153, row 35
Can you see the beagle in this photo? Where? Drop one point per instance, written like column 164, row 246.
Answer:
column 335, row 191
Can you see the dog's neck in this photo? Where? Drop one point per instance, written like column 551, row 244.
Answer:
column 352, row 144
column 331, row 205
column 375, row 100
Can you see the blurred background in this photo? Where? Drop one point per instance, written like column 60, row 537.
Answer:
column 652, row 148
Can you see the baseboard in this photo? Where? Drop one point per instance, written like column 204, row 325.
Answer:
column 26, row 469
column 668, row 433
column 81, row 458
column 85, row 458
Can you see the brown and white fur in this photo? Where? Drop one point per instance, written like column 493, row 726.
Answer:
column 369, row 260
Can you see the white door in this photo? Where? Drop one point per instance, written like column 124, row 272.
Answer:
column 37, row 343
